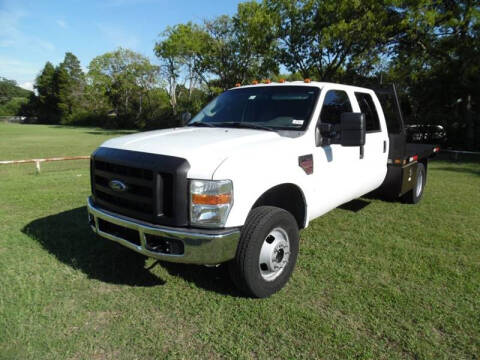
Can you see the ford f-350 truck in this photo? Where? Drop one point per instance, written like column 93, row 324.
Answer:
column 256, row 165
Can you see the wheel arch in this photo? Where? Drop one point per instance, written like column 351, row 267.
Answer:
column 289, row 197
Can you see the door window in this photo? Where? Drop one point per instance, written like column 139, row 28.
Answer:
column 336, row 102
column 367, row 106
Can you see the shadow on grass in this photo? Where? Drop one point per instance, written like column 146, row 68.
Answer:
column 355, row 205
column 216, row 279
column 67, row 236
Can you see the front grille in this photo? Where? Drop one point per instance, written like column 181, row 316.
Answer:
column 139, row 198
column 153, row 188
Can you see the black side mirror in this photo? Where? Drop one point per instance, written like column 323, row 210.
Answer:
column 186, row 117
column 353, row 129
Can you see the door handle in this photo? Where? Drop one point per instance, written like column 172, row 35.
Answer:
column 384, row 146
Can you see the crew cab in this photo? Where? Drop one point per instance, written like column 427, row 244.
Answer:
column 242, row 177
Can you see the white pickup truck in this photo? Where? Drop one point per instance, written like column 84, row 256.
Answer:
column 256, row 165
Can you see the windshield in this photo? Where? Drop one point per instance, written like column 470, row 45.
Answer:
column 263, row 107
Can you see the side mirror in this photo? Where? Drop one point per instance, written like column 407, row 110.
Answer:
column 353, row 129
column 186, row 117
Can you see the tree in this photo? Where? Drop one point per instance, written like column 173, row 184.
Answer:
column 126, row 78
column 327, row 38
column 69, row 86
column 46, row 101
column 241, row 48
column 436, row 61
column 9, row 90
column 181, row 50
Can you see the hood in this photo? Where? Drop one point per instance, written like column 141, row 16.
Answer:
column 204, row 148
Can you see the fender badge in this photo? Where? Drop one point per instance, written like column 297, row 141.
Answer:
column 306, row 163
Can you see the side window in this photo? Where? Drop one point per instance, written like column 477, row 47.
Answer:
column 367, row 106
column 336, row 102
column 392, row 115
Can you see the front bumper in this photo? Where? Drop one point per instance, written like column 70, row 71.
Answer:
column 206, row 247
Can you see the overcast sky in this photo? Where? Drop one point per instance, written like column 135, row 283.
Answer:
column 34, row 32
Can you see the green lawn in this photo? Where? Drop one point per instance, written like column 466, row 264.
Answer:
column 35, row 141
column 390, row 281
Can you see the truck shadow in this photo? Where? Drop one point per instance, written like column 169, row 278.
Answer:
column 68, row 237
column 355, row 205
column 216, row 279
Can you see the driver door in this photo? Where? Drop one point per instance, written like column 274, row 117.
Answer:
column 337, row 175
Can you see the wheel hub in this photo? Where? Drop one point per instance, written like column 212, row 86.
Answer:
column 274, row 254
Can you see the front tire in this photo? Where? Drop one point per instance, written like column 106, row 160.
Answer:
column 267, row 252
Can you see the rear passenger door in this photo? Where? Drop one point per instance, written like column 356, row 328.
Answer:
column 374, row 165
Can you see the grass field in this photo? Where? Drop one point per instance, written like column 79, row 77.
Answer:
column 388, row 281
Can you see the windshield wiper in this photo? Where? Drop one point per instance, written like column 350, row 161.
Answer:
column 247, row 125
column 199, row 123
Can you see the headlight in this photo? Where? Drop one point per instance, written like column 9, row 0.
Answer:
column 210, row 202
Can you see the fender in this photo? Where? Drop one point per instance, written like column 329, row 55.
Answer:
column 253, row 177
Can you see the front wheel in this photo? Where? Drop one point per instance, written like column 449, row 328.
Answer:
column 267, row 252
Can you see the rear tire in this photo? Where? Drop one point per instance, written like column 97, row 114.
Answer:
column 267, row 252
column 415, row 195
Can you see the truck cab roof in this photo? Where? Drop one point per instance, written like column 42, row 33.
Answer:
column 317, row 84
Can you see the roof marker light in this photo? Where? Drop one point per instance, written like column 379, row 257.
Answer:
column 281, row 81
column 254, row 82
column 267, row 81
column 238, row 85
column 307, row 80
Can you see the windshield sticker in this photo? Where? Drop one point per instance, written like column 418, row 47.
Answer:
column 252, row 97
column 297, row 122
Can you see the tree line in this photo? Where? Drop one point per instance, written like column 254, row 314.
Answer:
column 12, row 97
column 429, row 48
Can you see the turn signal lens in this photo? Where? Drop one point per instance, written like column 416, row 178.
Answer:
column 203, row 199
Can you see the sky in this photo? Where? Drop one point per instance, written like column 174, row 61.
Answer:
column 34, row 32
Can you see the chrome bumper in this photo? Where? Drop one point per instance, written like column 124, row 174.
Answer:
column 200, row 246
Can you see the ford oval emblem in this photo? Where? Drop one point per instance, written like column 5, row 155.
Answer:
column 117, row 185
